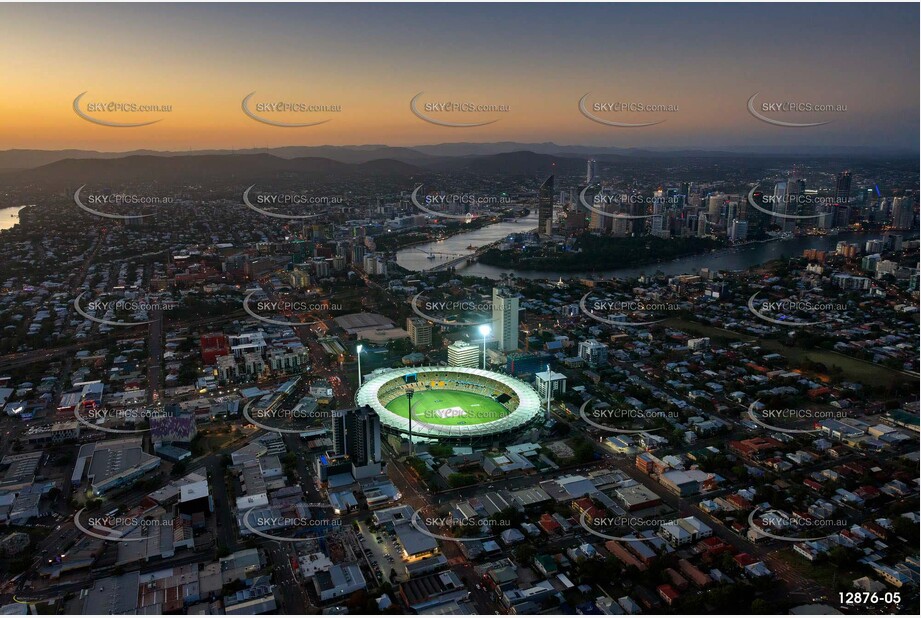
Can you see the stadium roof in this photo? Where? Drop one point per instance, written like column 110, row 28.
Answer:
column 529, row 406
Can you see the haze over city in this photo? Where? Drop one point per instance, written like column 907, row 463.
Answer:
column 536, row 59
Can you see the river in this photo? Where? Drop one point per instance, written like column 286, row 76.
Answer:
column 9, row 217
column 735, row 258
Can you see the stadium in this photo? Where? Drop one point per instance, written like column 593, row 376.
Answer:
column 450, row 403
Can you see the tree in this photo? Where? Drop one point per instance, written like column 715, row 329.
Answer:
column 760, row 606
column 440, row 451
column 357, row 601
column 461, row 480
column 524, row 554
column 584, row 451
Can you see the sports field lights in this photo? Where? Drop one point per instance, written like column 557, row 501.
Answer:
column 485, row 329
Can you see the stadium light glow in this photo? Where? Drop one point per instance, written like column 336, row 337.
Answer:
column 382, row 390
column 485, row 329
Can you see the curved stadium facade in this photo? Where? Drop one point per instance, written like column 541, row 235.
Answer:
column 451, row 403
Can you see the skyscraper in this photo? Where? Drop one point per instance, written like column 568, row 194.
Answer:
column 357, row 434
column 592, row 172
column 843, row 188
column 599, row 222
column 715, row 206
column 545, row 208
column 738, row 231
column 792, row 203
column 576, row 216
column 785, row 202
column 702, row 227
column 903, row 213
column 505, row 319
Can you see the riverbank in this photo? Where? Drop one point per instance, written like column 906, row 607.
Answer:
column 414, row 257
column 397, row 241
column 732, row 258
column 9, row 217
column 592, row 251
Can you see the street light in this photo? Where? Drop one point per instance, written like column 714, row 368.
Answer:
column 485, row 329
column 358, row 349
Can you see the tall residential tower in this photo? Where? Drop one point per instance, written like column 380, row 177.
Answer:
column 505, row 318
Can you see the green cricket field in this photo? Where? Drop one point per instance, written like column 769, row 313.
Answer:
column 447, row 407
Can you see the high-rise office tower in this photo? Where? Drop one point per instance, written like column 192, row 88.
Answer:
column 903, row 213
column 545, row 208
column 601, row 203
column 738, row 231
column 784, row 202
column 732, row 213
column 702, row 227
column 843, row 214
column 715, row 206
column 635, row 227
column 659, row 221
column 576, row 216
column 505, row 318
column 843, row 188
column 792, row 203
column 620, row 227
column 592, row 172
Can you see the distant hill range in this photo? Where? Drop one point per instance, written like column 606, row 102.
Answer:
column 192, row 168
column 65, row 169
column 436, row 155
column 252, row 168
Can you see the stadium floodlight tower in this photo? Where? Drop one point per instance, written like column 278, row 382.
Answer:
column 410, row 378
column 485, row 329
column 549, row 390
column 358, row 349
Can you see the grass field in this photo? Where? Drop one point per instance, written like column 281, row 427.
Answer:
column 478, row 408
